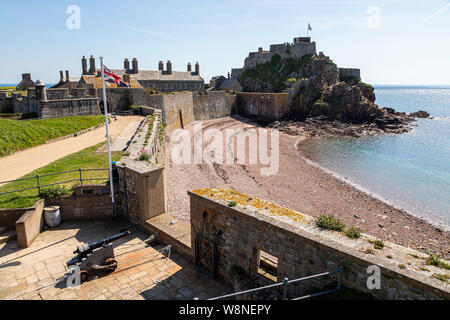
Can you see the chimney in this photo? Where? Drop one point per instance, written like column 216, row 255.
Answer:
column 189, row 67
column 67, row 76
column 161, row 66
column 61, row 76
column 135, row 66
column 26, row 76
column 197, row 69
column 229, row 75
column 169, row 67
column 84, row 68
column 126, row 64
column 92, row 65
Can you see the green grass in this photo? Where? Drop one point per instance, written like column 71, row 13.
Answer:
column 329, row 222
column 84, row 159
column 434, row 259
column 353, row 233
column 377, row 244
column 19, row 135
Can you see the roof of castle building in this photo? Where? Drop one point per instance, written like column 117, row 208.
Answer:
column 97, row 82
column 161, row 76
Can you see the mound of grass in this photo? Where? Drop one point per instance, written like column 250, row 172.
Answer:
column 434, row 259
column 84, row 159
column 329, row 222
column 54, row 192
column 232, row 204
column 19, row 135
column 377, row 244
column 353, row 233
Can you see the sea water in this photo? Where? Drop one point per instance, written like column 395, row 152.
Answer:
column 410, row 171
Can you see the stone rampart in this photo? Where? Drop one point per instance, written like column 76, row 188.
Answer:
column 235, row 236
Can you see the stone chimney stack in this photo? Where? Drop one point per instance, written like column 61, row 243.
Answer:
column 61, row 76
column 67, row 76
column 92, row 65
column 169, row 67
column 126, row 64
column 229, row 75
column 189, row 67
column 135, row 66
column 197, row 69
column 84, row 69
column 161, row 66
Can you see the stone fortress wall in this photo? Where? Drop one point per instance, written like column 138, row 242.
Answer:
column 232, row 237
column 295, row 50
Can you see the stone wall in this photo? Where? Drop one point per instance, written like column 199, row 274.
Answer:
column 213, row 104
column 266, row 105
column 6, row 105
column 69, row 107
column 240, row 234
column 30, row 225
column 88, row 202
column 345, row 73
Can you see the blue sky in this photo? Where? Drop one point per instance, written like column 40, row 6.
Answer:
column 392, row 42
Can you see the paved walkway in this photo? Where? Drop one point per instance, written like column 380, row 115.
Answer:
column 144, row 272
column 121, row 142
column 17, row 165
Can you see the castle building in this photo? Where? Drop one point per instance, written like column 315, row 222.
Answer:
column 298, row 48
column 159, row 80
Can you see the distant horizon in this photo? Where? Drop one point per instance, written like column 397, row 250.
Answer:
column 394, row 42
column 435, row 86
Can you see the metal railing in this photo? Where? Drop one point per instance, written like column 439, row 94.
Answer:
column 285, row 284
column 38, row 177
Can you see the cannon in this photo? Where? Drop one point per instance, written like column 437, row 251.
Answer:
column 97, row 256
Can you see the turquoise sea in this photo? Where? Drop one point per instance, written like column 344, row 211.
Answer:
column 410, row 171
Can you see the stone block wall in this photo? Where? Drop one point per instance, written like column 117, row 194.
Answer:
column 349, row 72
column 213, row 104
column 88, row 202
column 30, row 225
column 241, row 234
column 266, row 105
column 69, row 107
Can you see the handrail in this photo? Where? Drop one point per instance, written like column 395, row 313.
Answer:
column 287, row 282
column 39, row 186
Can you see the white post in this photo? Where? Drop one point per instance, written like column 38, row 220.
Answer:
column 105, row 106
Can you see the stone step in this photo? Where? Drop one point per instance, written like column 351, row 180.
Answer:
column 177, row 234
column 8, row 236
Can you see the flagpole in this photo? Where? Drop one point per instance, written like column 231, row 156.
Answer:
column 105, row 107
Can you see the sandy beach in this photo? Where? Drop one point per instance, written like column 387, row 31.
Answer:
column 301, row 186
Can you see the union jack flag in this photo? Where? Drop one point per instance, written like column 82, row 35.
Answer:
column 113, row 78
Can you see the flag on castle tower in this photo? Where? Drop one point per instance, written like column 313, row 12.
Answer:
column 309, row 27
column 113, row 78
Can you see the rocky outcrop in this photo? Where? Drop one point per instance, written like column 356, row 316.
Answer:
column 420, row 114
column 316, row 91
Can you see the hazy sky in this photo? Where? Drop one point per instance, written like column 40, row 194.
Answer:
column 392, row 42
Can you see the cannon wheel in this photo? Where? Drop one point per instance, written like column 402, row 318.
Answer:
column 83, row 275
column 112, row 263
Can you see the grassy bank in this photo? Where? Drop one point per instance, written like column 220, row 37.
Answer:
column 20, row 135
column 84, row 159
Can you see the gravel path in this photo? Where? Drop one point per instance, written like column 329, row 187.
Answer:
column 302, row 187
column 23, row 162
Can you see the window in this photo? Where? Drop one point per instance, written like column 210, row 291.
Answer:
column 267, row 265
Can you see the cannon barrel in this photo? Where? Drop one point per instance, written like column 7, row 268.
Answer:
column 98, row 244
column 83, row 250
